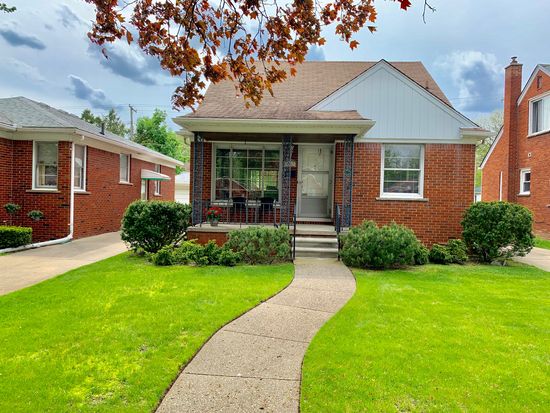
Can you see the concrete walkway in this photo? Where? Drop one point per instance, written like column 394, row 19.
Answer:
column 254, row 363
column 538, row 257
column 21, row 269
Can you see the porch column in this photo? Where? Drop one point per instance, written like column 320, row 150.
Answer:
column 198, row 175
column 286, row 181
column 347, row 181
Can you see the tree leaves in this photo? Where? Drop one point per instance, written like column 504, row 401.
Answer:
column 203, row 42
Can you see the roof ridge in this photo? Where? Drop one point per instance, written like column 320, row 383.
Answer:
column 43, row 108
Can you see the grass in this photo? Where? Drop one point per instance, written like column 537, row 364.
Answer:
column 542, row 243
column 113, row 335
column 435, row 339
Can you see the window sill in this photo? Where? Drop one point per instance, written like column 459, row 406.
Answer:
column 391, row 198
column 534, row 135
column 82, row 192
column 525, row 194
column 157, row 195
column 126, row 183
column 43, row 191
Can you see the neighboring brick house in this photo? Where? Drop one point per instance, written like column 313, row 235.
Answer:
column 517, row 166
column 55, row 162
column 339, row 143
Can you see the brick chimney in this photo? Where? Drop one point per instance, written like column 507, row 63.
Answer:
column 512, row 90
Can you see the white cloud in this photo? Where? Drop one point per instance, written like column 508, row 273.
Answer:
column 478, row 78
column 16, row 67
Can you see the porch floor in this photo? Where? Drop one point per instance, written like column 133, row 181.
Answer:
column 301, row 229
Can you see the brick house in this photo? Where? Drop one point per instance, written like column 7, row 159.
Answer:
column 79, row 177
column 517, row 167
column 339, row 143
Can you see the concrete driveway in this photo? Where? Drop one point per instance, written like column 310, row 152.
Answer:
column 21, row 269
column 538, row 257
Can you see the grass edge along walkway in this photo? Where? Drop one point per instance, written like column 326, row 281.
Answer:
column 113, row 335
column 435, row 339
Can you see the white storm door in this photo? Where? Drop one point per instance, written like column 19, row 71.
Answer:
column 314, row 181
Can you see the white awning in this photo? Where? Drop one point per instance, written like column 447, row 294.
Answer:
column 148, row 175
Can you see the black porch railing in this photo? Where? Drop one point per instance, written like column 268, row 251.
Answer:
column 243, row 211
column 338, row 226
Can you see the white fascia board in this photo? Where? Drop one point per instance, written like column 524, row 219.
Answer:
column 462, row 141
column 382, row 64
column 351, row 127
column 531, row 80
column 491, row 149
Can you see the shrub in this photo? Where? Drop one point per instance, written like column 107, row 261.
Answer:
column 190, row 251
column 35, row 215
column 458, row 250
column 390, row 246
column 228, row 258
column 496, row 231
column 151, row 225
column 421, row 255
column 164, row 256
column 12, row 237
column 260, row 245
column 11, row 208
column 440, row 254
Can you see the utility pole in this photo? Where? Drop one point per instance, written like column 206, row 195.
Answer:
column 132, row 110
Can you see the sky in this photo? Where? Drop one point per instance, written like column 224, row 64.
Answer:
column 45, row 54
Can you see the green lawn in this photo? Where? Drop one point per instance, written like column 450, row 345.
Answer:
column 542, row 243
column 435, row 339
column 112, row 336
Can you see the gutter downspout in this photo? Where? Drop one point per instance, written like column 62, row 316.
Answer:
column 71, row 219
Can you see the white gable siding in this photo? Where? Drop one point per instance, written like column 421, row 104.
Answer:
column 400, row 107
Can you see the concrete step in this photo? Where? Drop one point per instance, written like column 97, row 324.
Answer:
column 317, row 242
column 316, row 252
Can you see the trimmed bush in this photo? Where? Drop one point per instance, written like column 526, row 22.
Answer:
column 439, row 254
column 496, row 231
column 390, row 246
column 12, row 237
column 191, row 252
column 151, row 225
column 454, row 252
column 260, row 245
column 421, row 256
column 458, row 250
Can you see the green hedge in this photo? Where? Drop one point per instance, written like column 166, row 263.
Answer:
column 390, row 246
column 190, row 252
column 496, row 231
column 12, row 237
column 151, row 225
column 261, row 245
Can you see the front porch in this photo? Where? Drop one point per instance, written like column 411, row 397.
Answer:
column 272, row 179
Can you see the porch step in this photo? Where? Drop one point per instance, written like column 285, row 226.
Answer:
column 320, row 247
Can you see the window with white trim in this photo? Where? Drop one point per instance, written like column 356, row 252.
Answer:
column 124, row 168
column 79, row 173
column 45, row 165
column 525, row 181
column 246, row 172
column 540, row 115
column 157, row 183
column 402, row 171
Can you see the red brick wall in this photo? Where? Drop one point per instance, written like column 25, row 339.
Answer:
column 448, row 186
column 203, row 237
column 539, row 148
column 514, row 157
column 6, row 164
column 54, row 205
column 101, row 207
column 497, row 163
column 97, row 211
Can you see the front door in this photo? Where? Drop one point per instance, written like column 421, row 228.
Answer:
column 314, row 181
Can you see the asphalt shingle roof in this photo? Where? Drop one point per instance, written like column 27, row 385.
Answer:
column 26, row 113
column 292, row 98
